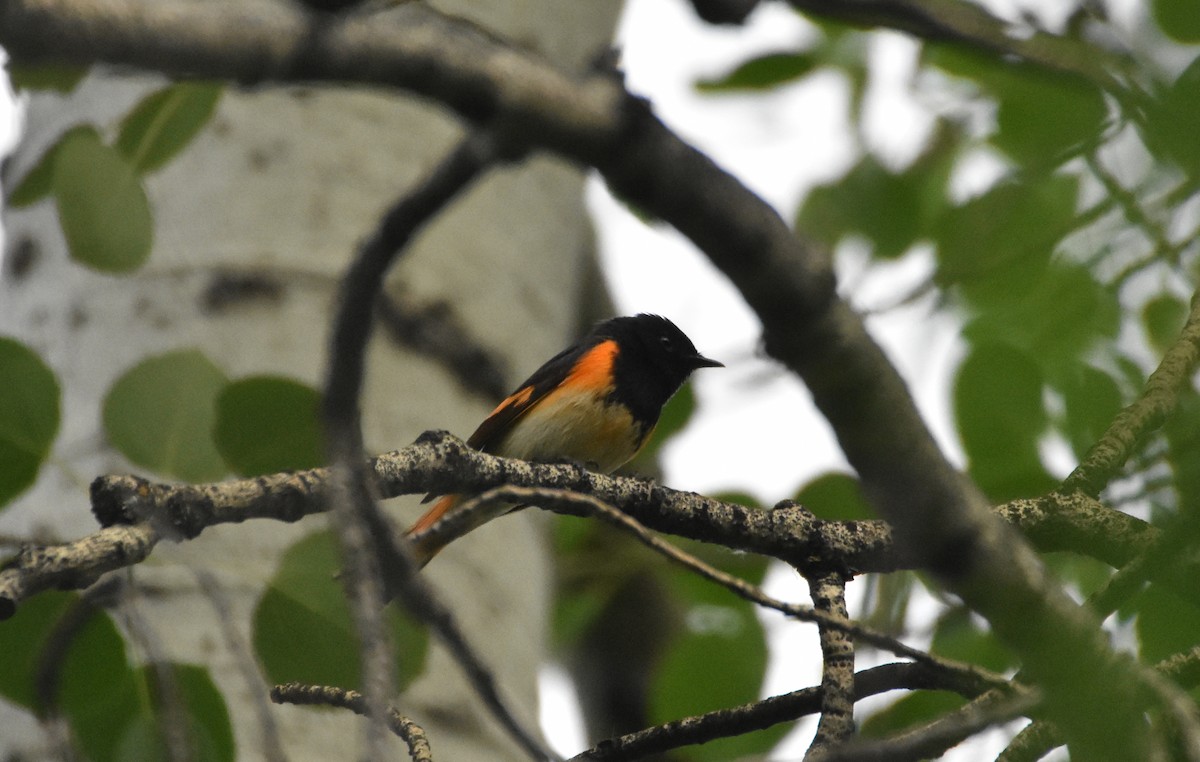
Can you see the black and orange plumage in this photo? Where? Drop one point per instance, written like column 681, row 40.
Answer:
column 596, row 402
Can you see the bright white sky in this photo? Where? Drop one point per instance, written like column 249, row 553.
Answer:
column 755, row 430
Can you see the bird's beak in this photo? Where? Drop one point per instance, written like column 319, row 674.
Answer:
column 700, row 361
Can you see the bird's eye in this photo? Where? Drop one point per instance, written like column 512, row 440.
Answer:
column 667, row 343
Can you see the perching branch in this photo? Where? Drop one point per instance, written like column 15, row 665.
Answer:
column 410, row 732
column 137, row 513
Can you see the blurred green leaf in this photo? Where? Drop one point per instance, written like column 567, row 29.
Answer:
column 303, row 629
column 38, row 182
column 1166, row 624
column 209, row 734
column 29, row 416
column 1163, row 318
column 53, row 77
column 1092, row 399
column 762, row 73
column 102, row 206
column 913, row 709
column 93, row 656
column 160, row 415
column 1178, row 19
column 957, row 636
column 267, row 424
column 1182, row 430
column 1042, row 117
column 1000, row 415
column 1171, row 121
column 893, row 209
column 21, row 640
column 1057, row 319
column 835, row 497
column 997, row 246
column 724, row 642
column 165, row 122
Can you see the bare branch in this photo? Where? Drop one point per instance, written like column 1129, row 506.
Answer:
column 329, row 695
column 760, row 715
column 573, row 503
column 1146, row 413
column 837, row 676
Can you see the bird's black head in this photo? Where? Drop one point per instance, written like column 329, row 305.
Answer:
column 654, row 360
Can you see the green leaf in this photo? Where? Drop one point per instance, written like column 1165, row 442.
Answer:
column 1166, row 624
column 719, row 661
column 1092, row 399
column 762, row 73
column 160, row 415
column 209, row 734
column 302, row 626
column 54, row 77
column 268, row 424
column 38, row 182
column 1178, row 19
column 914, row 709
column 997, row 246
column 1058, row 318
column 94, row 656
column 1182, row 430
column 102, row 205
column 1163, row 318
column 835, row 497
column 1172, row 121
column 1000, row 414
column 97, row 658
column 165, row 122
column 1024, row 95
column 29, row 416
column 21, row 639
column 893, row 209
column 957, row 636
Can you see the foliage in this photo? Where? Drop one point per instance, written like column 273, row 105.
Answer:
column 1069, row 276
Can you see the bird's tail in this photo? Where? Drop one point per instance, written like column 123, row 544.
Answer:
column 423, row 549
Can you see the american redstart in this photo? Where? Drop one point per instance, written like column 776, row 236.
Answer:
column 595, row 402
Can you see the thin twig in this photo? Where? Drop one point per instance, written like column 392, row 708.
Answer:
column 573, row 503
column 760, row 715
column 244, row 661
column 410, row 732
column 368, row 544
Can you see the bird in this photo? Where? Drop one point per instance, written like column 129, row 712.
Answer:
column 596, row 402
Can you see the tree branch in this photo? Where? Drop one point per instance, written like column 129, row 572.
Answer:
column 137, row 513
column 837, row 676
column 760, row 715
column 1147, row 413
column 410, row 732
